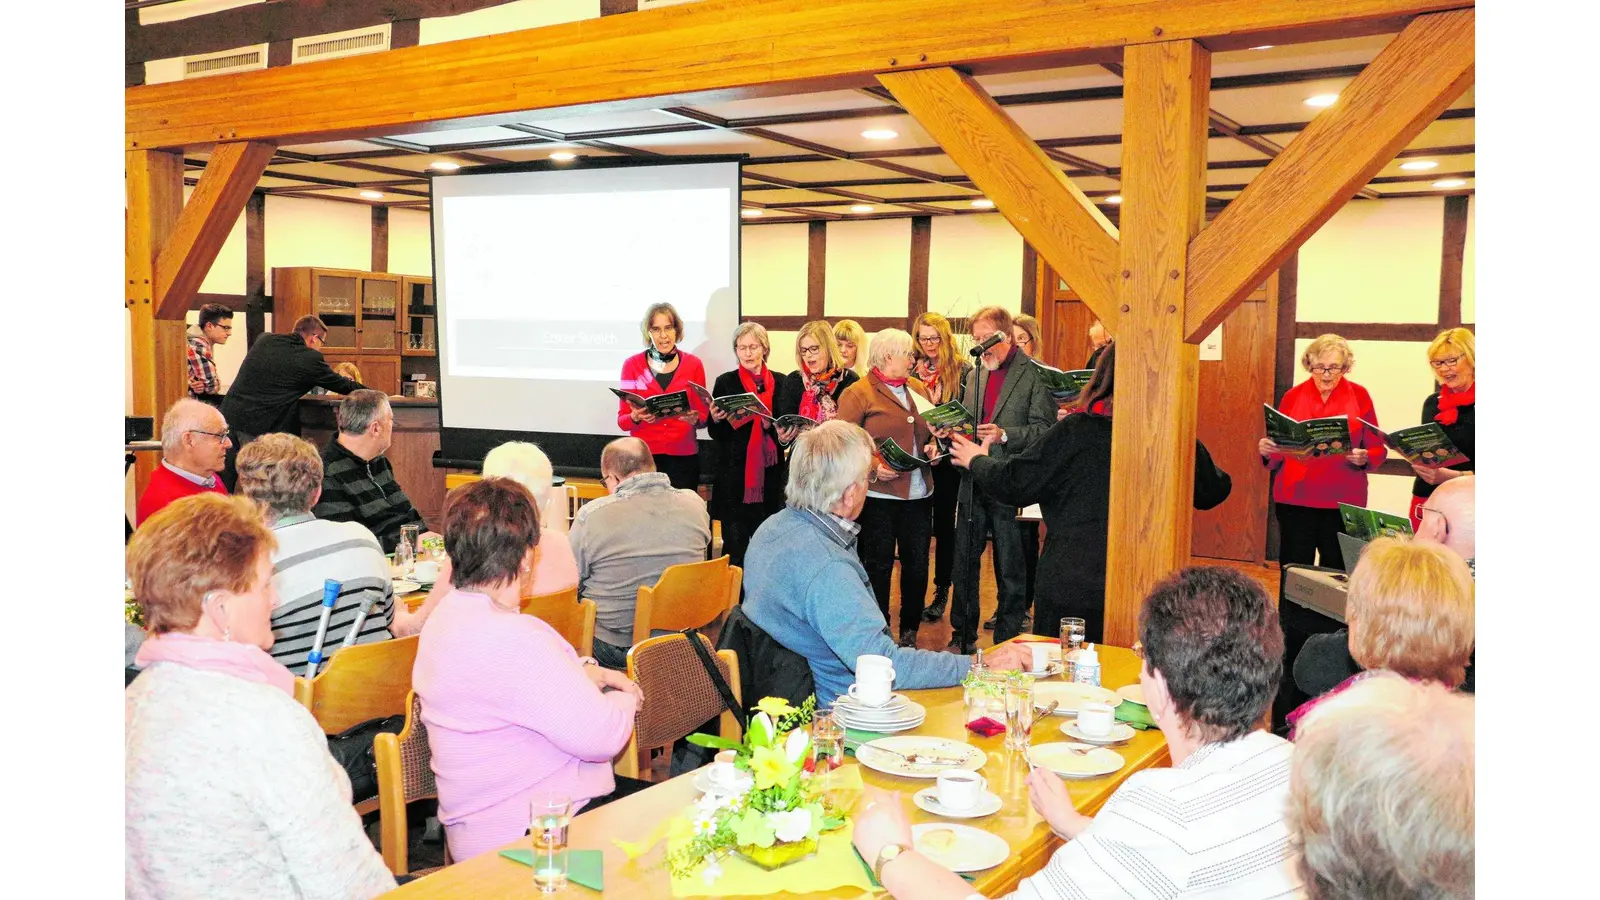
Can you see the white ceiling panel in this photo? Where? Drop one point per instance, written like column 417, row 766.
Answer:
column 1068, row 79
column 832, row 170
column 792, row 105
column 912, row 191
column 1447, row 133
column 1316, row 55
column 1467, row 99
column 540, row 152
column 1275, row 104
column 1415, row 186
column 460, row 136
column 933, row 165
column 1228, row 150
column 1082, row 119
column 1457, row 162
column 1093, row 183
column 792, row 195
column 846, row 134
column 1232, row 176
column 1104, row 154
column 709, row 141
column 643, row 118
column 334, row 147
column 330, row 170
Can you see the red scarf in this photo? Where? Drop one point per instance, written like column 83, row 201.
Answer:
column 891, row 382
column 1103, row 407
column 762, row 450
column 1451, row 401
column 927, row 371
column 816, row 402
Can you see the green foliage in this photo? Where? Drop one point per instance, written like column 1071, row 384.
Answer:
column 714, row 741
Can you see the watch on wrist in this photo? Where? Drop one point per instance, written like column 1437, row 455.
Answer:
column 1003, row 436
column 886, row 853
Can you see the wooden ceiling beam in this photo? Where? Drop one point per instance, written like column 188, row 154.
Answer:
column 1413, row 80
column 710, row 51
column 1046, row 208
column 230, row 175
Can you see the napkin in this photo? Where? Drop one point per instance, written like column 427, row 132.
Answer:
column 986, row 726
column 1134, row 714
column 585, row 867
column 969, row 876
column 855, row 737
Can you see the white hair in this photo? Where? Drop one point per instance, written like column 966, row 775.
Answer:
column 183, row 417
column 1381, row 792
column 527, row 465
column 886, row 343
column 825, row 462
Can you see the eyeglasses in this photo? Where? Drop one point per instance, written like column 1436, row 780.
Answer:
column 928, row 340
column 1442, row 516
column 1326, row 370
column 221, row 436
column 1447, row 363
column 607, row 479
column 663, row 329
column 810, row 351
column 1023, row 340
column 222, row 326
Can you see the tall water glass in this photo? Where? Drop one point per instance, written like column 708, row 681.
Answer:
column 827, row 751
column 406, row 551
column 1019, row 712
column 550, row 818
column 1072, row 630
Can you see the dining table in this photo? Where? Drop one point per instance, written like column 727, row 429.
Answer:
column 632, row 817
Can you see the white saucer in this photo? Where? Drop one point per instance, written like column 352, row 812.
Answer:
column 895, row 703
column 966, row 849
column 704, row 784
column 927, row 800
column 1133, row 693
column 1119, row 733
column 402, row 586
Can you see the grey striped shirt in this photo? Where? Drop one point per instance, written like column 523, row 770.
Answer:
column 310, row 551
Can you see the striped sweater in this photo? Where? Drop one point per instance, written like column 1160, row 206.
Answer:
column 1212, row 827
column 359, row 490
column 311, row 551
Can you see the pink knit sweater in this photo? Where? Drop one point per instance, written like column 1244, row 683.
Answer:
column 511, row 718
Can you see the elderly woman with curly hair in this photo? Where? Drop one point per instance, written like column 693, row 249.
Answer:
column 227, row 780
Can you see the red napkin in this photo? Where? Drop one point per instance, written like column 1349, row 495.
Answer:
column 986, row 727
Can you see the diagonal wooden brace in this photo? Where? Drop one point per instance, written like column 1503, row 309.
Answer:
column 203, row 226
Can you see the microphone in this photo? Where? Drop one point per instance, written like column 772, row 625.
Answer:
column 988, row 342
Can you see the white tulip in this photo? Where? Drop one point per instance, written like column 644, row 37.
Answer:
column 791, row 826
column 795, row 746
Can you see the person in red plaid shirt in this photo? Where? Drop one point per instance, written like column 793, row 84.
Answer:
column 215, row 326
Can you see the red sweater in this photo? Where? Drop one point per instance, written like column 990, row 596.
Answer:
column 166, row 486
column 665, row 437
column 1327, row 481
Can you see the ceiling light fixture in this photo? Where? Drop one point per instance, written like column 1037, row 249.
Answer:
column 749, row 212
column 1418, row 165
column 861, row 208
column 880, row 134
column 372, row 195
column 1322, row 100
column 983, row 203
column 1114, row 199
column 445, row 165
column 1450, row 183
column 563, row 156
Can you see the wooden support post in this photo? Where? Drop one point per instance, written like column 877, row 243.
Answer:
column 204, row 223
column 1050, row 212
column 1412, row 80
column 1165, row 96
column 155, row 200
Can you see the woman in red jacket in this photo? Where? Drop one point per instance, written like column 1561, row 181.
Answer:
column 664, row 369
column 1307, row 491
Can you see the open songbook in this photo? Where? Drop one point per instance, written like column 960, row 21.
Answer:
column 1327, row 436
column 660, row 406
column 947, row 415
column 1371, row 524
column 1065, row 386
column 737, row 406
column 895, row 457
column 1422, row 445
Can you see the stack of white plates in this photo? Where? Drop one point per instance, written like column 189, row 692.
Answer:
column 899, row 714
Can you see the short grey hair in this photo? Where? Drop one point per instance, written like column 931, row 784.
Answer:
column 358, row 411
column 887, row 343
column 183, row 417
column 825, row 462
column 281, row 472
column 757, row 329
column 1381, row 792
column 626, row 457
column 1325, row 343
column 523, row 463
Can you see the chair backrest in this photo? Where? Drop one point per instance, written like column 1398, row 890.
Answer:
column 365, row 681
column 679, row 695
column 572, row 618
column 405, row 775
column 688, row 595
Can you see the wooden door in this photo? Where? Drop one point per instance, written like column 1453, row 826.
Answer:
column 1229, row 423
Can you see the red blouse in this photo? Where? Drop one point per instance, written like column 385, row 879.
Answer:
column 1327, row 481
column 665, row 437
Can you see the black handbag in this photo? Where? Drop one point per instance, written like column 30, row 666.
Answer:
column 352, row 750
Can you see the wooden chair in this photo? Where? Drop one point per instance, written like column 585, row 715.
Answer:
column 571, row 617
column 366, row 681
column 688, row 595
column 404, row 777
column 678, row 696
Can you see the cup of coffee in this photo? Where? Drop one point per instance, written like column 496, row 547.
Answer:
column 1096, row 719
column 1044, row 655
column 960, row 789
column 427, row 571
column 724, row 774
column 868, row 662
column 873, row 688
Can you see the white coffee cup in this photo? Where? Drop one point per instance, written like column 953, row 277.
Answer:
column 868, row 662
column 960, row 789
column 723, row 773
column 1096, row 719
column 1044, row 655
column 873, row 688
column 427, row 571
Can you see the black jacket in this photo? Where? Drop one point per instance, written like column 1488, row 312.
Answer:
column 276, row 373
column 1463, row 434
column 732, row 446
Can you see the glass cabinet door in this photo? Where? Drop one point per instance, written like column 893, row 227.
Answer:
column 333, row 299
column 379, row 301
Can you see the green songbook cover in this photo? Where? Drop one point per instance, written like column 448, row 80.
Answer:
column 1371, row 524
column 1065, row 386
column 1421, row 445
column 660, row 406
column 952, row 415
column 1327, row 436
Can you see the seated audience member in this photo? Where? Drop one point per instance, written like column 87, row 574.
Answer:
column 1211, row 825
column 357, row 481
column 524, row 463
column 283, row 475
column 513, row 714
column 1448, row 517
column 194, row 447
column 623, row 541
column 805, row 585
column 228, row 784
column 1410, row 610
column 1386, row 738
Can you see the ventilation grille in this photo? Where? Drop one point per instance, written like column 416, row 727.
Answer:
column 340, row 44
column 240, row 60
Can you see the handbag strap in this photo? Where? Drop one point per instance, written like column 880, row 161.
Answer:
column 720, row 683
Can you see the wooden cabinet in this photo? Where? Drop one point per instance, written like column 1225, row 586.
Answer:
column 381, row 373
column 419, row 335
column 363, row 312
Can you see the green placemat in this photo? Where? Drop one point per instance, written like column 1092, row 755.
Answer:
column 585, row 867
column 969, row 877
column 1135, row 714
column 854, row 738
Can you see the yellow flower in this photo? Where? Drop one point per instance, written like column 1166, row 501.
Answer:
column 775, row 707
column 771, row 767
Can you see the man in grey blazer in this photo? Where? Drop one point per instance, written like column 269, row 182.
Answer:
column 1014, row 407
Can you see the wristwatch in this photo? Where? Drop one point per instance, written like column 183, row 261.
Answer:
column 885, row 853
column 1003, row 436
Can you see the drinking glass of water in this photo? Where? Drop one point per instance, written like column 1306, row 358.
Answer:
column 550, row 817
column 405, row 552
column 1019, row 712
column 827, row 751
column 1072, row 630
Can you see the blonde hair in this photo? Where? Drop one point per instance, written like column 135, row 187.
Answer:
column 851, row 330
column 1411, row 610
column 823, row 332
column 657, row 309
column 1325, row 343
column 947, row 364
column 191, row 547
column 281, row 472
column 1381, row 793
column 1459, row 339
column 887, row 341
column 757, row 329
column 1031, row 326
column 348, row 370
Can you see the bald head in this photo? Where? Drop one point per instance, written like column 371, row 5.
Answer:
column 1448, row 516
column 190, row 437
column 625, row 457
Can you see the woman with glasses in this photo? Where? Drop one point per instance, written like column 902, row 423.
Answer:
column 750, row 474
column 663, row 368
column 1308, row 490
column 1026, row 335
column 899, row 505
column 819, row 377
column 942, row 371
column 1453, row 406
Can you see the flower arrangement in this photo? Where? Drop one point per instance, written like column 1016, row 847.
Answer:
column 131, row 613
column 778, row 820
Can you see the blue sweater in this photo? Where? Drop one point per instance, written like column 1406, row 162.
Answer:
column 808, row 591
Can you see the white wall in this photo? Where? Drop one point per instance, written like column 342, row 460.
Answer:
column 410, row 242
column 974, row 261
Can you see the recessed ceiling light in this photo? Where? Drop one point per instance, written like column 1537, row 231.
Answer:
column 1263, row 47
column 983, row 203
column 880, row 134
column 1450, row 183
column 445, row 165
column 563, row 156
column 1321, row 100
column 749, row 212
column 1417, row 165
column 1114, row 198
column 372, row 195
column 861, row 208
